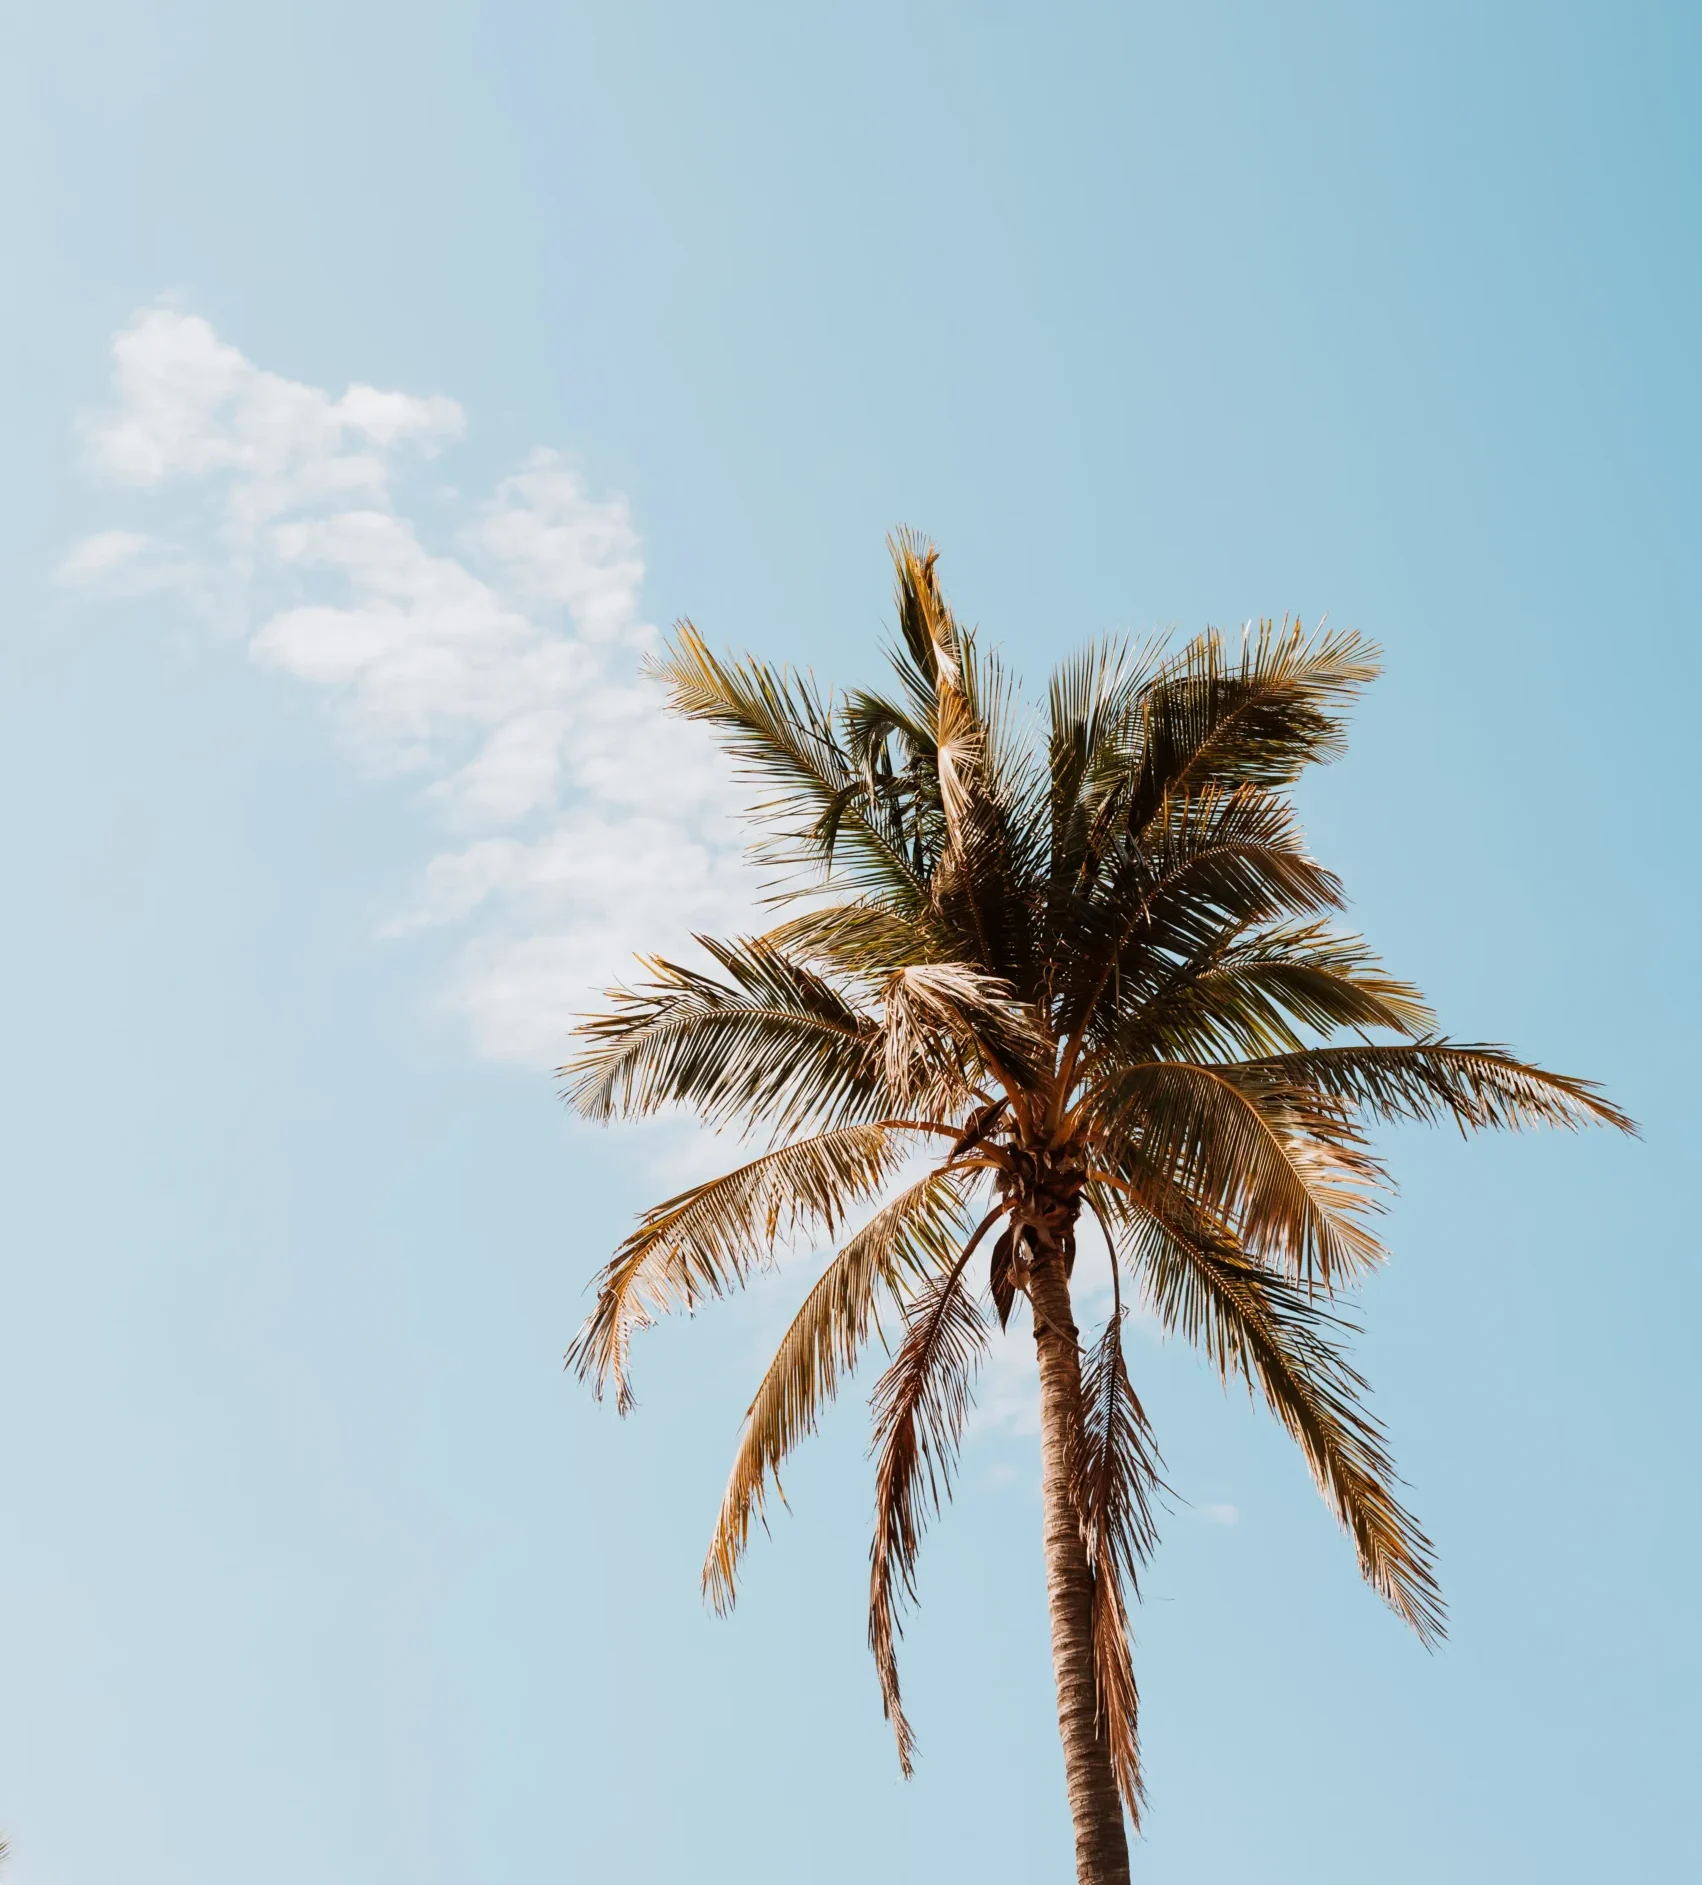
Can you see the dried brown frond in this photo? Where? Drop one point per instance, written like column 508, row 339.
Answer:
column 948, row 1028
column 906, row 1239
column 705, row 1242
column 920, row 1405
column 1115, row 1482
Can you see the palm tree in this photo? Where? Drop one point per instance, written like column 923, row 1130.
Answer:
column 1090, row 972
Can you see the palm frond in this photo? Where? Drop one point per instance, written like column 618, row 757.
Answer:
column 774, row 1041
column 1014, row 775
column 1115, row 1480
column 920, row 1405
column 950, row 1026
column 1287, row 1168
column 781, row 736
column 1218, row 863
column 861, row 942
column 1249, row 1321
column 894, row 755
column 1211, row 717
column 1092, row 698
column 705, row 1242
column 924, row 621
column 1476, row 1086
column 907, row 1238
column 982, row 783
column 1250, row 997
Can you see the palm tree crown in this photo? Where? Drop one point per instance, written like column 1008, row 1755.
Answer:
column 1084, row 966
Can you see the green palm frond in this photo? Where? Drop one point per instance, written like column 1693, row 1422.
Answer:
column 781, row 735
column 862, row 943
column 1285, row 1166
column 893, row 754
column 1093, row 698
column 1217, row 864
column 775, row 1041
column 1257, row 719
column 705, row 1242
column 906, row 1240
column 1475, row 1086
column 1243, row 998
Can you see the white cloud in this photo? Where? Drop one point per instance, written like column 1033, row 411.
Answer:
column 498, row 665
column 1219, row 1514
column 126, row 562
column 107, row 554
column 189, row 405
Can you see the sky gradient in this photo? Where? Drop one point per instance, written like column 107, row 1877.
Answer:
column 381, row 377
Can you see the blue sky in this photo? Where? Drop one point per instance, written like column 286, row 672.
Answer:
column 379, row 376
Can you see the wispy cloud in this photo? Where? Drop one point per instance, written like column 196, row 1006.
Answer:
column 493, row 658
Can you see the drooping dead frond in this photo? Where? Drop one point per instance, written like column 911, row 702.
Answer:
column 920, row 1405
column 705, row 1242
column 949, row 1027
column 1011, row 1248
column 906, row 1239
column 1114, row 1480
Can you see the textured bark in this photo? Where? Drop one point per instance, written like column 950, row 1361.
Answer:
column 1102, row 1847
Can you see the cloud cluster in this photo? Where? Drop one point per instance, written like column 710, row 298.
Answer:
column 496, row 662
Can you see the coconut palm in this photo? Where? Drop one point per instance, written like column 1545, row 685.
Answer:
column 1033, row 971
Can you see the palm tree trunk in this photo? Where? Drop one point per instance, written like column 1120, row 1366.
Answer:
column 1102, row 1847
